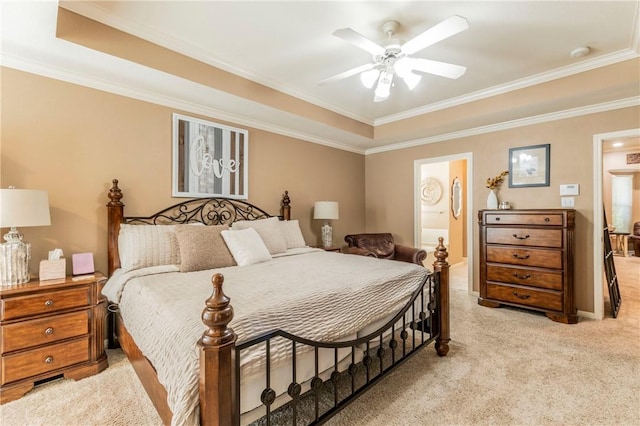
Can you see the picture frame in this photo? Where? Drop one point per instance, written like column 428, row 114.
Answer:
column 529, row 166
column 209, row 159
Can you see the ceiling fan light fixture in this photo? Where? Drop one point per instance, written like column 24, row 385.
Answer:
column 411, row 80
column 369, row 78
column 384, row 86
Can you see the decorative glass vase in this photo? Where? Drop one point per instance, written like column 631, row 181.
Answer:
column 492, row 200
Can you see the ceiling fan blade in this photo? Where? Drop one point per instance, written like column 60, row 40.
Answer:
column 442, row 69
column 345, row 74
column 444, row 29
column 357, row 39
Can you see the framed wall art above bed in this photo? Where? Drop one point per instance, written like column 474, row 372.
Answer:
column 209, row 159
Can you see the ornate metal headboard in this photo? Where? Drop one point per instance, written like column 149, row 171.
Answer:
column 209, row 211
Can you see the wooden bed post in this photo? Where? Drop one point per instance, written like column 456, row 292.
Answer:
column 217, row 405
column 115, row 212
column 441, row 265
column 286, row 206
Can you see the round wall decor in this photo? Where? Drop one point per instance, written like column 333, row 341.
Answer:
column 431, row 191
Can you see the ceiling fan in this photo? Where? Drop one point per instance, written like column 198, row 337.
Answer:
column 393, row 58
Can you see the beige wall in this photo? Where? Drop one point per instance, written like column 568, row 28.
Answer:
column 71, row 141
column 389, row 180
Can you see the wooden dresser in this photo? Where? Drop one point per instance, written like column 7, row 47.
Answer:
column 51, row 329
column 527, row 261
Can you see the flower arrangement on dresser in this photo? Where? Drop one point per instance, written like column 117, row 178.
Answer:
column 493, row 184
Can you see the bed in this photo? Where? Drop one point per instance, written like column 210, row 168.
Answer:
column 292, row 338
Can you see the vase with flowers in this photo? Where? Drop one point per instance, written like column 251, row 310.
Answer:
column 493, row 184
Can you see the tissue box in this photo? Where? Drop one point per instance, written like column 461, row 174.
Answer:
column 53, row 269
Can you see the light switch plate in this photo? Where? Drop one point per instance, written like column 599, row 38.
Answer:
column 570, row 189
column 568, row 202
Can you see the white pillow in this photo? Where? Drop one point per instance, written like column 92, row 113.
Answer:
column 292, row 234
column 142, row 246
column 246, row 246
column 269, row 230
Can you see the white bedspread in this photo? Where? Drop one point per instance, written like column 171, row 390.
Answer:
column 316, row 294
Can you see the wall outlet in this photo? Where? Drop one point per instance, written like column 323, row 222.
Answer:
column 568, row 201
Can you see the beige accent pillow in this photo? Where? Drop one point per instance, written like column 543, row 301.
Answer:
column 202, row 247
column 269, row 230
column 292, row 234
column 142, row 246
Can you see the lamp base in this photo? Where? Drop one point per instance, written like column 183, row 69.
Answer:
column 14, row 259
column 327, row 235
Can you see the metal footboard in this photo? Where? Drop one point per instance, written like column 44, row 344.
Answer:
column 357, row 363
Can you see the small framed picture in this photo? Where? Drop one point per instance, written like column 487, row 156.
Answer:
column 529, row 166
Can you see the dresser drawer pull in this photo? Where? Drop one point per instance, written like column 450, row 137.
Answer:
column 48, row 360
column 48, row 302
column 49, row 331
column 517, row 256
column 546, row 219
column 520, row 238
column 521, row 296
column 521, row 277
column 497, row 219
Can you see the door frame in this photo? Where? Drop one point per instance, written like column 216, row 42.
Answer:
column 598, row 270
column 417, row 182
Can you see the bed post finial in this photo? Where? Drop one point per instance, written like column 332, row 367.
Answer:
column 286, row 206
column 115, row 194
column 442, row 266
column 216, row 359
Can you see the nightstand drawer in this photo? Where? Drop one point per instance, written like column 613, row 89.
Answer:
column 525, row 237
column 43, row 360
column 42, row 303
column 525, row 257
column 529, row 277
column 525, row 219
column 38, row 332
column 525, row 296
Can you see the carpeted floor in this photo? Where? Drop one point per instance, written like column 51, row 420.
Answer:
column 505, row 367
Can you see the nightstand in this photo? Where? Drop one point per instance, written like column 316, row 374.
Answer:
column 49, row 329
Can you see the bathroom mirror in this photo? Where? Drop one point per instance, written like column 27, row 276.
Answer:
column 456, row 198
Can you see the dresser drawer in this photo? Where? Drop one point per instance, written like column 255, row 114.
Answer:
column 41, row 331
column 524, row 219
column 42, row 303
column 43, row 360
column 530, row 277
column 544, row 299
column 525, row 237
column 551, row 259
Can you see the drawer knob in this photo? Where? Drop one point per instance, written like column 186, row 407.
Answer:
column 521, row 296
column 521, row 277
column 48, row 302
column 48, row 359
column 49, row 331
column 546, row 219
column 519, row 237
column 497, row 219
column 517, row 256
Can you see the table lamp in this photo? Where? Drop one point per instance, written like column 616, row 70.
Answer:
column 19, row 207
column 326, row 210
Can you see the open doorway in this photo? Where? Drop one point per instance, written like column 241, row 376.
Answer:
column 442, row 202
column 603, row 173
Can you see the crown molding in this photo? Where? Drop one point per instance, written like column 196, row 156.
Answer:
column 528, row 121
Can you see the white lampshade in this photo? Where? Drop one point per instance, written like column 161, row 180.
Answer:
column 325, row 210
column 24, row 207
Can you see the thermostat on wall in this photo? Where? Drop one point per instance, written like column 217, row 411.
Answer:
column 570, row 189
